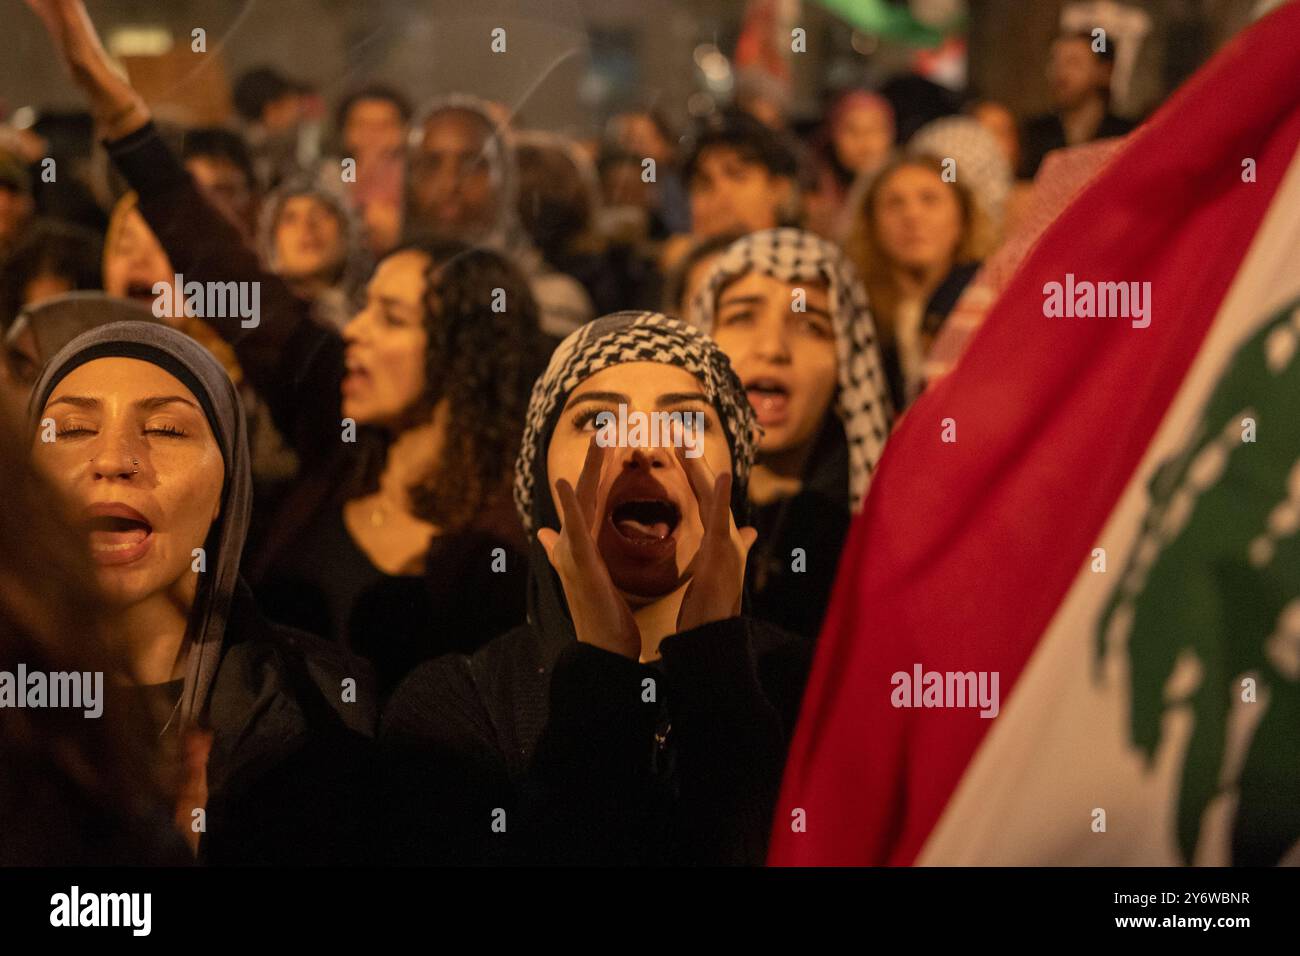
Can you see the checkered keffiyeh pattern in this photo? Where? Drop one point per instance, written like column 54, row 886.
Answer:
column 862, row 399
column 618, row 339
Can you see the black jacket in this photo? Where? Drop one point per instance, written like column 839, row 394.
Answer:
column 541, row 749
column 289, row 773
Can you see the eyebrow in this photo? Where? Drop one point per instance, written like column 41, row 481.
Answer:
column 155, row 401
column 158, row 401
column 758, row 300
column 678, row 398
column 617, row 398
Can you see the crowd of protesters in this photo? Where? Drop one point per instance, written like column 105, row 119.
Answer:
column 368, row 582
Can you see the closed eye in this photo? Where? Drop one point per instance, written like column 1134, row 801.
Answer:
column 172, row 430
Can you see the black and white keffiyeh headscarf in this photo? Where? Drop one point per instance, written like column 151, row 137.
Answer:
column 862, row 399
column 617, row 339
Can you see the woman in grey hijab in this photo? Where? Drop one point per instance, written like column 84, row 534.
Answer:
column 142, row 432
column 462, row 184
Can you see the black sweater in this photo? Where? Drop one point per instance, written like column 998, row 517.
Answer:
column 588, row 757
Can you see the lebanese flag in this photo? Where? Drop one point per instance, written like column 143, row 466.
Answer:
column 1103, row 517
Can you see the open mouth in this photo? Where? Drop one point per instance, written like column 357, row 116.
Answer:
column 649, row 520
column 118, row 535
column 769, row 398
column 354, row 374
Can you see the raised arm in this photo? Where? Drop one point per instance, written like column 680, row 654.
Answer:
column 294, row 364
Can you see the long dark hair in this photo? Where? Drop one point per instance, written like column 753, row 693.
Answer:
column 484, row 352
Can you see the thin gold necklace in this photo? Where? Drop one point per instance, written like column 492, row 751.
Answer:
column 175, row 711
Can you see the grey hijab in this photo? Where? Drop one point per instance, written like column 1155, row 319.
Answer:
column 203, row 375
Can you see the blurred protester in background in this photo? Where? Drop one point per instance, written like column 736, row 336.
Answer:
column 141, row 431
column 1079, row 75
column 75, row 791
column 463, row 185
column 52, row 258
column 856, row 141
column 310, row 239
column 221, row 164
column 789, row 312
column 16, row 205
column 272, row 108
column 561, row 210
column 647, row 134
column 917, row 241
column 56, row 150
column 741, row 176
column 371, row 125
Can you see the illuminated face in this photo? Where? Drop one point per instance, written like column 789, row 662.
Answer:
column 918, row 219
column 648, row 517
column 452, row 183
column 135, row 262
column 308, row 238
column 785, row 358
column 386, row 344
column 732, row 194
column 141, row 471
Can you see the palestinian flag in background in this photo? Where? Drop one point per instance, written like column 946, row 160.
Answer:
column 1114, row 532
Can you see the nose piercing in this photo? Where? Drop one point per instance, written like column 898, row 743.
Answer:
column 135, row 466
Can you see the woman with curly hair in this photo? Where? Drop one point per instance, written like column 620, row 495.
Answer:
column 396, row 538
column 404, row 546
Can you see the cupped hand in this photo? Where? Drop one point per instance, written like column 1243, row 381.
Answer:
column 601, row 617
column 717, row 572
